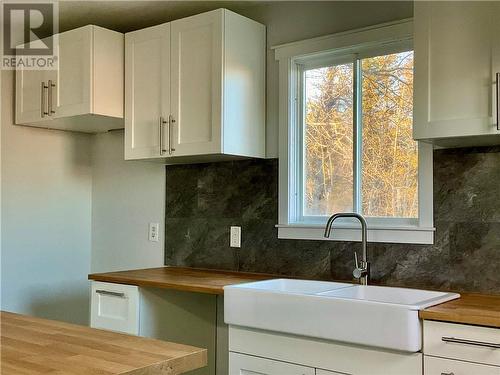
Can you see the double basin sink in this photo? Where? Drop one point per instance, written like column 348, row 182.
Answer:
column 377, row 316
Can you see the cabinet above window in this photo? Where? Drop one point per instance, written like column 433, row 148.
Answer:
column 195, row 89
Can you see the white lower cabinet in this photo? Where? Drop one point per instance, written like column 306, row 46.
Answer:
column 115, row 307
column 460, row 349
column 324, row 372
column 442, row 366
column 261, row 352
column 164, row 314
column 449, row 349
column 462, row 342
column 241, row 364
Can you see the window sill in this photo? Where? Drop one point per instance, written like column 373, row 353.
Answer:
column 387, row 234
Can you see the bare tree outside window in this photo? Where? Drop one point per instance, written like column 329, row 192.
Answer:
column 389, row 172
column 390, row 157
column 328, row 137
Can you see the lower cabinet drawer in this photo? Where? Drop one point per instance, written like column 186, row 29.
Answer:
column 441, row 366
column 115, row 307
column 462, row 342
column 325, row 372
column 241, row 364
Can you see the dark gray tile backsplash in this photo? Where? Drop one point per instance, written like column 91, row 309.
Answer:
column 203, row 200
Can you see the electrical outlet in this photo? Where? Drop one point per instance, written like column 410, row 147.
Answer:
column 154, row 229
column 235, row 237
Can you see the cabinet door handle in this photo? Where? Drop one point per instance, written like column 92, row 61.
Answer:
column 470, row 342
column 498, row 99
column 42, row 100
column 160, row 134
column 171, row 122
column 50, row 85
column 110, row 293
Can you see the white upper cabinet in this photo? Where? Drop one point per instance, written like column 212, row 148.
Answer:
column 195, row 89
column 30, row 95
column 71, row 94
column 457, row 58
column 147, row 91
column 197, row 64
column 85, row 91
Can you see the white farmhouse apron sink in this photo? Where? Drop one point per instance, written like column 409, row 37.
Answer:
column 369, row 315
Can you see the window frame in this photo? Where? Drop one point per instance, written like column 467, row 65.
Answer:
column 350, row 46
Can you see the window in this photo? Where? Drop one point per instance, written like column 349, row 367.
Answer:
column 349, row 143
column 356, row 130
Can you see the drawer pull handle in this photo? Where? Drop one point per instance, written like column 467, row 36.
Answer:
column 447, row 373
column 50, row 85
column 471, row 342
column 498, row 99
column 160, row 127
column 109, row 293
column 43, row 103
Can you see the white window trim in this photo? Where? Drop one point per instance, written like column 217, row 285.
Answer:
column 369, row 41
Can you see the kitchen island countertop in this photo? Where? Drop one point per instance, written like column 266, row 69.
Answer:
column 39, row 346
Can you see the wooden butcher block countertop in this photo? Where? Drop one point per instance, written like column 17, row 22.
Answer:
column 477, row 309
column 469, row 309
column 179, row 278
column 40, row 346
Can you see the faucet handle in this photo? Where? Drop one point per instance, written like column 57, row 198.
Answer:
column 356, row 264
column 361, row 267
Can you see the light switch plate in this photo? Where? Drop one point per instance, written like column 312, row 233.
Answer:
column 154, row 229
column 235, row 237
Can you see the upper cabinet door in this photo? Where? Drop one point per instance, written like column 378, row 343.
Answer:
column 495, row 63
column 70, row 94
column 31, row 96
column 456, row 45
column 147, row 92
column 196, row 87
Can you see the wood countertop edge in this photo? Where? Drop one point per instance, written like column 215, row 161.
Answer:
column 155, row 284
column 471, row 319
column 475, row 321
column 176, row 365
